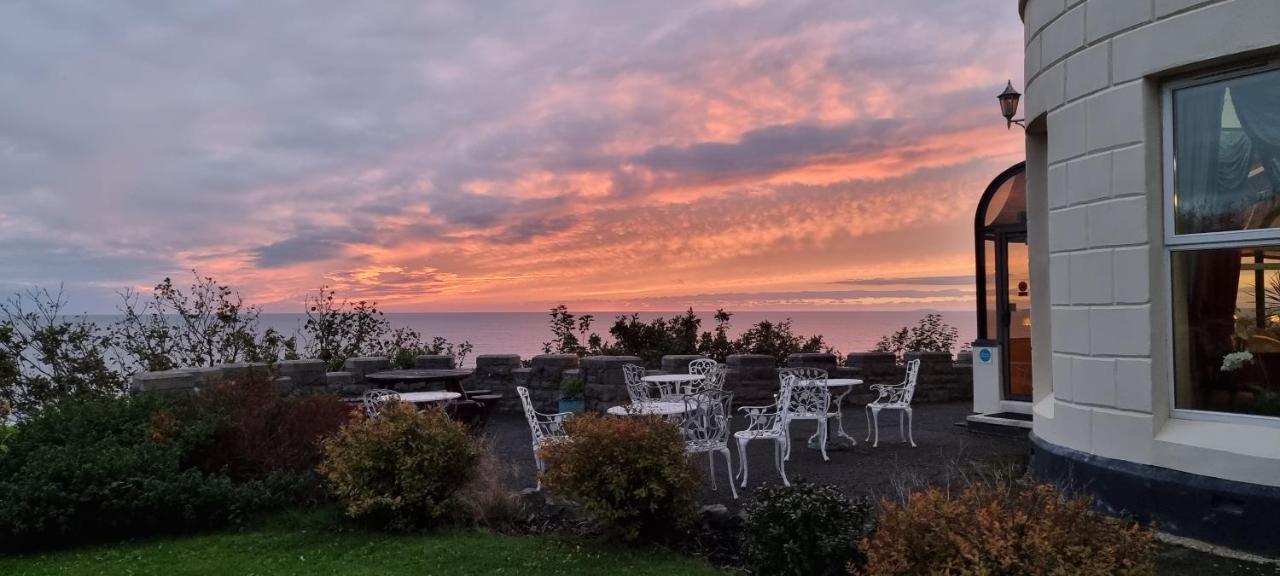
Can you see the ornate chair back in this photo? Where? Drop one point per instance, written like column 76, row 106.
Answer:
column 375, row 400
column 909, row 384
column 531, row 415
column 637, row 388
column 706, row 419
column 712, row 373
column 810, row 396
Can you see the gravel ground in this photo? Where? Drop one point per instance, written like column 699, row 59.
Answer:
column 944, row 451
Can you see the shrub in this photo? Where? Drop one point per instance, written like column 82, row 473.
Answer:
column 47, row 356
column 400, row 470
column 930, row 334
column 109, row 468
column 339, row 329
column 631, row 473
column 1016, row 528
column 6, row 434
column 258, row 432
column 805, row 529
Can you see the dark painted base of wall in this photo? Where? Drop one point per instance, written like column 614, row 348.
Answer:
column 1233, row 514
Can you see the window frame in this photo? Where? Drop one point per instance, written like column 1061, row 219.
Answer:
column 1192, row 242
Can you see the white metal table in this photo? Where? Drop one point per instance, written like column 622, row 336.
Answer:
column 428, row 397
column 847, row 385
column 681, row 382
column 649, row 409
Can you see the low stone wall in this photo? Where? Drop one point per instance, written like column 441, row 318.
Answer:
column 753, row 378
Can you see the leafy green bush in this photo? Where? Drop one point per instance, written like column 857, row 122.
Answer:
column 47, row 355
column 677, row 335
column 401, row 470
column 339, row 329
column 1001, row 527
column 805, row 529
column 930, row 334
column 109, row 468
column 6, row 434
column 631, row 473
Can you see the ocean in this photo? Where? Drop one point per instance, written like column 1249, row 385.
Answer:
column 523, row 333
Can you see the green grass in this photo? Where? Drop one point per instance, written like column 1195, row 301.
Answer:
column 310, row 545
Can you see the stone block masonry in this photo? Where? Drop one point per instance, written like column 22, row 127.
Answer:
column 753, row 378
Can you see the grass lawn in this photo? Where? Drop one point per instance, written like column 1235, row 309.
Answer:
column 307, row 544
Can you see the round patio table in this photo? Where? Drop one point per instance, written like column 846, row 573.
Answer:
column 428, row 397
column 847, row 384
column 681, row 381
column 648, row 409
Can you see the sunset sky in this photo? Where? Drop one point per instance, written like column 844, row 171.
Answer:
column 478, row 155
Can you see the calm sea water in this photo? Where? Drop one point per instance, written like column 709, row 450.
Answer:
column 524, row 332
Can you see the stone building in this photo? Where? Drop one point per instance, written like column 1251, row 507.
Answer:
column 1153, row 222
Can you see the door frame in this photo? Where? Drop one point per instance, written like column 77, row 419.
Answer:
column 1005, row 316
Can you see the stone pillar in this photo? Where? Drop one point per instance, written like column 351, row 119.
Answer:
column 246, row 371
column 434, row 362
column 164, row 382
column 603, row 381
column 305, row 375
column 679, row 363
column 822, row 360
column 939, row 379
column 753, row 378
column 343, row 384
column 543, row 379
column 497, row 373
column 205, row 375
column 361, row 365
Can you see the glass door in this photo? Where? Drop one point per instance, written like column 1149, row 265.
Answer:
column 1014, row 324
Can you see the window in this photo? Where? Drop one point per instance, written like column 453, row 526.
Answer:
column 1222, row 227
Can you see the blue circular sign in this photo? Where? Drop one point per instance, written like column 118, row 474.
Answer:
column 984, row 354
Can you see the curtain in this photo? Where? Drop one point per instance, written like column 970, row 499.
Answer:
column 1257, row 103
column 1214, row 274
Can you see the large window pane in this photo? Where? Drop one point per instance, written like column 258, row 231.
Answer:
column 1226, row 312
column 1227, row 155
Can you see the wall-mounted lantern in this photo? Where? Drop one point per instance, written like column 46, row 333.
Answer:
column 1009, row 105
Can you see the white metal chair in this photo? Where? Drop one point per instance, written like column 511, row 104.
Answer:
column 894, row 397
column 706, row 429
column 637, row 389
column 545, row 428
column 810, row 400
column 375, row 400
column 766, row 423
column 712, row 373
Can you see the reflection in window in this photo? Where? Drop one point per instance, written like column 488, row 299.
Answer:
column 1227, row 149
column 1226, row 300
column 1226, row 318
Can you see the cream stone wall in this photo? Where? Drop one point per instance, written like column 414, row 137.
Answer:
column 1094, row 71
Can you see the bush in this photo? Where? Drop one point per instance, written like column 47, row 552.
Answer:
column 930, row 334
column 805, row 529
column 400, row 470
column 6, row 434
column 1015, row 528
column 631, row 473
column 258, row 432
column 109, row 468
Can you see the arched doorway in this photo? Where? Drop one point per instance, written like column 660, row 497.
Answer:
column 1004, row 285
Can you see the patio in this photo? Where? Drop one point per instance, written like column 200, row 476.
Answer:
column 943, row 449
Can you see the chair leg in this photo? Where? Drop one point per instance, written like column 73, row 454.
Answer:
column 822, row 438
column 782, row 467
column 711, row 469
column 728, row 470
column 910, row 435
column 742, row 459
column 875, row 426
column 868, row 411
column 787, row 453
column 539, row 468
column 902, row 433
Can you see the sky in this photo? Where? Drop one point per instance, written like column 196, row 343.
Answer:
column 487, row 156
